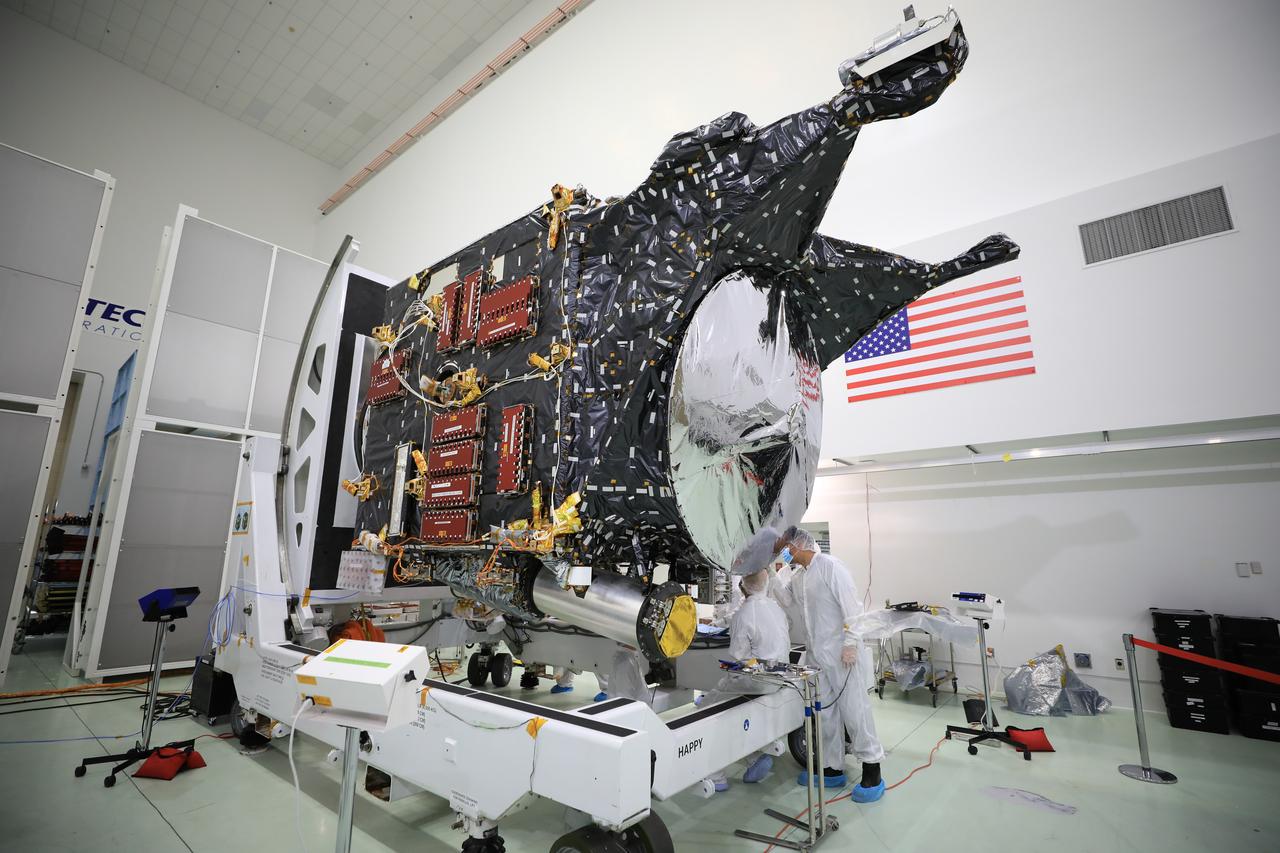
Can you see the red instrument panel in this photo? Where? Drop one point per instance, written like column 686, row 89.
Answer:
column 468, row 309
column 457, row 490
column 384, row 385
column 514, row 295
column 450, row 525
column 508, row 312
column 494, row 330
column 449, row 321
column 458, row 424
column 513, row 458
column 453, row 458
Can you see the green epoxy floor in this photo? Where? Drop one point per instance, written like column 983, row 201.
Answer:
column 1227, row 797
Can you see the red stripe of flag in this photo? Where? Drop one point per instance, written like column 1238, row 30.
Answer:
column 966, row 291
column 934, row 356
column 964, row 321
column 962, row 306
column 963, row 336
column 1004, row 374
column 946, row 368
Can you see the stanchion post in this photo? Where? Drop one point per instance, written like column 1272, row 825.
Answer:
column 1143, row 772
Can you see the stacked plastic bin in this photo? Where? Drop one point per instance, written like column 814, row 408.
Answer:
column 1194, row 695
column 1252, row 641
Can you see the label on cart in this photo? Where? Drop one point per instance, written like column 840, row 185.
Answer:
column 464, row 804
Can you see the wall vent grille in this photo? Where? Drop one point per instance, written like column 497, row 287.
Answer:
column 1176, row 221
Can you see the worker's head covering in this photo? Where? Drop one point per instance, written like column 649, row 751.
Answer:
column 801, row 539
column 756, row 582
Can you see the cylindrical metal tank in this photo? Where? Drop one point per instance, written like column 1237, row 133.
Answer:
column 661, row 623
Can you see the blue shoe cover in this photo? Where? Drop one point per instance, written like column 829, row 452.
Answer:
column 828, row 781
column 860, row 794
column 601, row 697
column 758, row 770
column 562, row 689
column 722, row 785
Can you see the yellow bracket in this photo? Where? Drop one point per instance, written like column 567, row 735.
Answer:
column 558, row 353
column 384, row 334
column 417, row 487
column 361, row 489
column 561, row 198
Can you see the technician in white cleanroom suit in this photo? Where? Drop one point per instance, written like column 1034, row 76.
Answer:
column 758, row 631
column 821, row 588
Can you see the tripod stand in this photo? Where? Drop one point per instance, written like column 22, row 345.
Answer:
column 988, row 731
column 162, row 607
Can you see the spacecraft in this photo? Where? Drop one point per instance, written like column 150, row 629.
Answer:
column 605, row 392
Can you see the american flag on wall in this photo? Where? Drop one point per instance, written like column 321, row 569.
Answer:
column 971, row 334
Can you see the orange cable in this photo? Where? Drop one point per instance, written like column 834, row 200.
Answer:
column 903, row 781
column 76, row 689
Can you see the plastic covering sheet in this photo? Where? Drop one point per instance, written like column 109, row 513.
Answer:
column 910, row 673
column 1045, row 686
column 882, row 624
column 699, row 311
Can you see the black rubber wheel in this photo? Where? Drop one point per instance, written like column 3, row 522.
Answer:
column 238, row 722
column 1026, row 754
column 109, row 782
column 648, row 836
column 80, row 771
column 589, row 839
column 973, row 750
column 500, row 669
column 477, row 672
column 795, row 745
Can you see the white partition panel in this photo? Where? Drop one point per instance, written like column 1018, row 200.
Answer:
column 224, row 325
column 52, row 220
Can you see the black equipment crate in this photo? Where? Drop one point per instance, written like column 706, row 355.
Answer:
column 212, row 691
column 1265, row 658
column 1257, row 702
column 1262, row 630
column 1184, row 676
column 1201, row 644
column 1259, row 726
column 1181, row 623
column 1205, row 712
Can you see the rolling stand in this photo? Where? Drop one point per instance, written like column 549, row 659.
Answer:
column 163, row 607
column 818, row 824
column 979, row 611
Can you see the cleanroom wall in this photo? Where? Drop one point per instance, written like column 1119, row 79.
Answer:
column 62, row 100
column 1077, row 547
column 1054, row 98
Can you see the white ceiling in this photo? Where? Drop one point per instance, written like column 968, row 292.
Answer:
column 325, row 76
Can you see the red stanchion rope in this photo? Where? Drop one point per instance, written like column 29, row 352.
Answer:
column 1238, row 669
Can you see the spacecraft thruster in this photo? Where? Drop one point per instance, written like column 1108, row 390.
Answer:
column 603, row 387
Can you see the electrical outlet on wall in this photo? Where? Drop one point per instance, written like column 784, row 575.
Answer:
column 1120, row 664
column 1255, row 567
column 1084, row 660
column 1243, row 570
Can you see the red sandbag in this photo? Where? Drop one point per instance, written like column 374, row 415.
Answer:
column 1034, row 740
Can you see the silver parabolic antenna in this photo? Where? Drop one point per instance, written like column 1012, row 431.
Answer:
column 745, row 425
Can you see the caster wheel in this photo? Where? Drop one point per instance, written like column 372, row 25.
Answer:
column 477, row 670
column 109, row 782
column 973, row 750
column 500, row 669
column 80, row 771
column 1026, row 755
column 238, row 723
